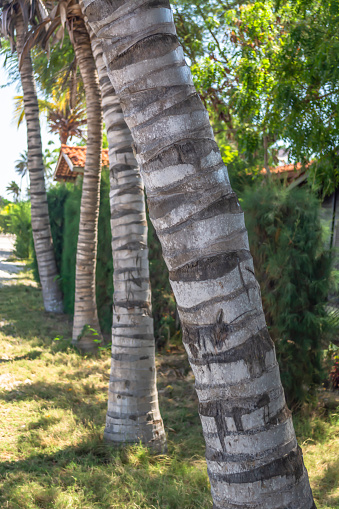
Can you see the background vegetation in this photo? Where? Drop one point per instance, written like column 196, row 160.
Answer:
column 294, row 270
column 292, row 265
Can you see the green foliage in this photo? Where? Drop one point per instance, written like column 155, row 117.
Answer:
column 57, row 196
column 13, row 189
column 52, row 72
column 69, row 248
column 307, row 93
column 163, row 303
column 64, row 210
column 234, row 60
column 267, row 72
column 104, row 270
column 294, row 271
column 15, row 218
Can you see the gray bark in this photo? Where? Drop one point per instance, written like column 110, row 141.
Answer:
column 251, row 449
column 42, row 236
column 133, row 411
column 85, row 308
column 266, row 165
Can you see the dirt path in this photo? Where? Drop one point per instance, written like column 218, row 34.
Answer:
column 8, row 269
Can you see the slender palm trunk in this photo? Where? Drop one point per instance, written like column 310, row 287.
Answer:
column 133, row 410
column 85, row 308
column 42, row 237
column 266, row 166
column 252, row 453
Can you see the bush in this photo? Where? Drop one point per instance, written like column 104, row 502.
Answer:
column 69, row 248
column 104, row 269
column 64, row 210
column 163, row 302
column 294, row 272
column 15, row 218
column 56, row 199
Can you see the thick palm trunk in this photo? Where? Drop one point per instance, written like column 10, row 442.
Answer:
column 42, row 237
column 252, row 454
column 85, row 308
column 133, row 410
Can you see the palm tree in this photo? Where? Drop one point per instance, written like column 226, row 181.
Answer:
column 13, row 189
column 133, row 344
column 62, row 118
column 85, row 309
column 253, row 457
column 21, row 164
column 65, row 121
column 67, row 13
column 15, row 15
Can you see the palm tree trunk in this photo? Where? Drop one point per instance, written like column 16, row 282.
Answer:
column 85, row 308
column 42, row 236
column 266, row 166
column 252, row 453
column 133, row 414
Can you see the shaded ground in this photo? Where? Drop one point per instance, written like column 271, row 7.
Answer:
column 53, row 405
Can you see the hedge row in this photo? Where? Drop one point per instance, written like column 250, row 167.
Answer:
column 292, row 266
column 64, row 209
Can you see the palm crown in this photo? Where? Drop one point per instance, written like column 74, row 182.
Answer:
column 32, row 11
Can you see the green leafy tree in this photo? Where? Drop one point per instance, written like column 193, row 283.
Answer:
column 268, row 72
column 307, row 93
column 234, row 50
column 15, row 218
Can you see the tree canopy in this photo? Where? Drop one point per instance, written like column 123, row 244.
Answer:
column 268, row 74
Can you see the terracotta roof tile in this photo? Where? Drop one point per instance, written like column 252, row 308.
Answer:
column 77, row 156
column 290, row 169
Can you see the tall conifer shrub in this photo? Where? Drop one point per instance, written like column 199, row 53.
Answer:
column 293, row 268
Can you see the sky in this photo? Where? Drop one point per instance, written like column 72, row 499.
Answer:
column 13, row 141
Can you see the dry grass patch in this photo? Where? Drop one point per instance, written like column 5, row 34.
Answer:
column 53, row 406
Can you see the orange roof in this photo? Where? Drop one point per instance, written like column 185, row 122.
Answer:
column 289, row 170
column 71, row 162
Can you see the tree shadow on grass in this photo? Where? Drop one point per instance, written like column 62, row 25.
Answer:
column 22, row 307
column 326, row 483
column 30, row 356
column 103, row 476
column 59, row 395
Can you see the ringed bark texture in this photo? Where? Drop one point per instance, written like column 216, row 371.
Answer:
column 85, row 307
column 252, row 454
column 43, row 243
column 133, row 410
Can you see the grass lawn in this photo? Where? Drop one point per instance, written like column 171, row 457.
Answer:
column 53, row 405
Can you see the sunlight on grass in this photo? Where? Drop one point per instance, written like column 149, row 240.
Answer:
column 53, row 406
column 318, row 434
column 54, row 403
